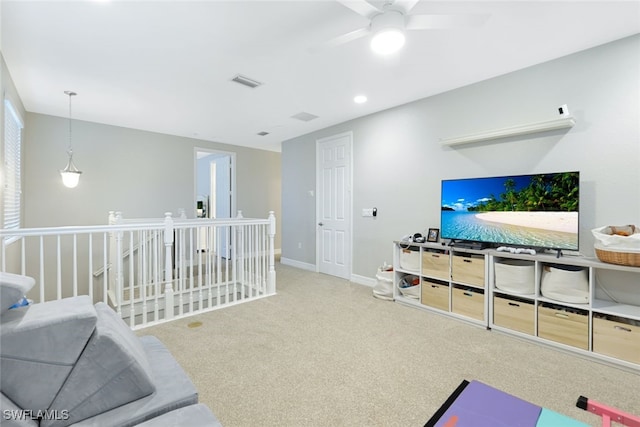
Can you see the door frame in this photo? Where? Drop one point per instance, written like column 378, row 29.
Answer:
column 319, row 143
column 232, row 169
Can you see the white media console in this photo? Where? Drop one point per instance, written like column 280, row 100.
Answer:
column 461, row 283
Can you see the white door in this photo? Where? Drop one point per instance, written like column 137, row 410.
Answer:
column 333, row 168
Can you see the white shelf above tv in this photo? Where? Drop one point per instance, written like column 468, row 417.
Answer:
column 524, row 129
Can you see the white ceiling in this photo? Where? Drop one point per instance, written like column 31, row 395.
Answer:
column 166, row 66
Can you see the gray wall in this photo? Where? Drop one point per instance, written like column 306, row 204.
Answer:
column 142, row 174
column 398, row 162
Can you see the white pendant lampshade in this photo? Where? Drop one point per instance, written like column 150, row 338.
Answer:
column 70, row 174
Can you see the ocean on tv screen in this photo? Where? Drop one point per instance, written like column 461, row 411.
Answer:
column 557, row 230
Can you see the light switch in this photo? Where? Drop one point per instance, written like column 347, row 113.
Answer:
column 367, row 212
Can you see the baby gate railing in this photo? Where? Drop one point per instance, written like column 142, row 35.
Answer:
column 149, row 270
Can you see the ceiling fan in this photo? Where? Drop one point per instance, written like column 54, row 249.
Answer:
column 389, row 23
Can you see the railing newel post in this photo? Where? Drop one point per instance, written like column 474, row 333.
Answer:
column 168, row 266
column 271, row 286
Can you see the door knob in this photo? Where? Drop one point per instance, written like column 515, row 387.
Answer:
column 320, row 224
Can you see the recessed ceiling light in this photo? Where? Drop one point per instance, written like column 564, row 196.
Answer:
column 360, row 99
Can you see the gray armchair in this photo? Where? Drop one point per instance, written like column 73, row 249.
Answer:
column 72, row 363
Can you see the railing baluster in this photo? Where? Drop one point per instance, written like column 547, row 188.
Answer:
column 132, row 284
column 75, row 265
column 181, row 272
column 201, row 268
column 42, row 269
column 58, row 269
column 23, row 251
column 142, row 272
column 156, row 278
column 105, row 266
column 90, row 269
column 193, row 261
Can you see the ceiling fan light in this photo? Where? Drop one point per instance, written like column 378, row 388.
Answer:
column 388, row 32
column 387, row 41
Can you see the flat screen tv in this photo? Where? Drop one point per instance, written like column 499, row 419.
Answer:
column 533, row 211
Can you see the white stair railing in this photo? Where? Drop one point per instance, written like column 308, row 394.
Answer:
column 148, row 270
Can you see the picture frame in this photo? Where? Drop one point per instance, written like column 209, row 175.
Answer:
column 433, row 235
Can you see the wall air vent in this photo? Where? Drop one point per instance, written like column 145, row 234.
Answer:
column 263, row 133
column 246, row 81
column 305, row 117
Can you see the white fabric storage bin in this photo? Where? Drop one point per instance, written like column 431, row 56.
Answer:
column 565, row 283
column 514, row 275
column 409, row 286
column 410, row 258
column 384, row 285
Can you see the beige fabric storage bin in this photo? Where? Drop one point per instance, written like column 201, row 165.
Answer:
column 435, row 264
column 514, row 275
column 468, row 302
column 410, row 258
column 616, row 338
column 435, row 295
column 468, row 269
column 515, row 314
column 563, row 325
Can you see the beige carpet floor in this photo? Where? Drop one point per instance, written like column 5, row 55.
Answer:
column 324, row 352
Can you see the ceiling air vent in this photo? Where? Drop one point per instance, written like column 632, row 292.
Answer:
column 305, row 117
column 246, row 81
column 263, row 133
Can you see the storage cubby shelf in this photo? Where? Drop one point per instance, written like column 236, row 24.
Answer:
column 615, row 309
column 524, row 129
column 607, row 331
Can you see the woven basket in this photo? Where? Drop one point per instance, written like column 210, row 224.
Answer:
column 622, row 258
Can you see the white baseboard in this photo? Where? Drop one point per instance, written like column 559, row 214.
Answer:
column 298, row 264
column 363, row 280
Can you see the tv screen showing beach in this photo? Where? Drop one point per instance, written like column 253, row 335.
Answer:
column 536, row 211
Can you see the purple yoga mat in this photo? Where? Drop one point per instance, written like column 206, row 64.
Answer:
column 480, row 405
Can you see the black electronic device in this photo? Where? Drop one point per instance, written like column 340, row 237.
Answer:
column 465, row 244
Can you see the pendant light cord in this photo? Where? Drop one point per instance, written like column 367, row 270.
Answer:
column 70, row 93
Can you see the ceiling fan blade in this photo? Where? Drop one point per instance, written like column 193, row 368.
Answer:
column 429, row 22
column 405, row 5
column 361, row 7
column 336, row 41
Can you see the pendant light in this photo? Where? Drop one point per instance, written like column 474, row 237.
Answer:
column 70, row 174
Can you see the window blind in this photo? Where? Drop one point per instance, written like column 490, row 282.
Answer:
column 11, row 171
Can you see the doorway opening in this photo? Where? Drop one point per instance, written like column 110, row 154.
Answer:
column 214, row 195
column 214, row 184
